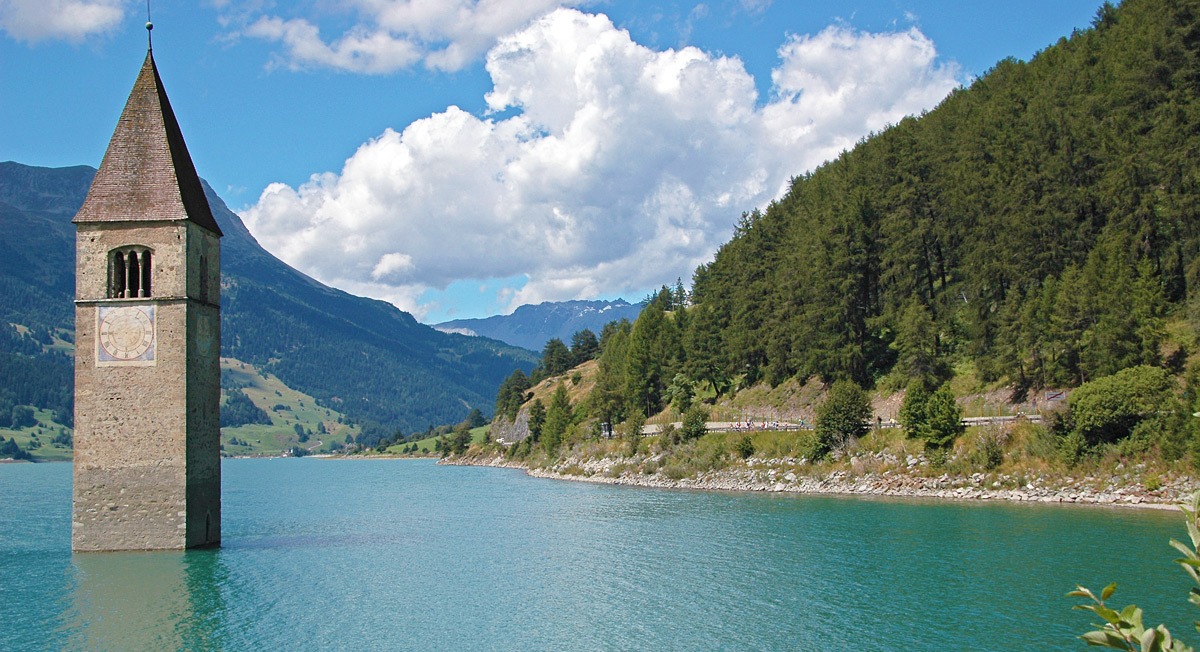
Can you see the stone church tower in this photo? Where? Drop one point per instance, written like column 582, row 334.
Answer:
column 148, row 340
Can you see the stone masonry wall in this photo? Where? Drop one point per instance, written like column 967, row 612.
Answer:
column 147, row 466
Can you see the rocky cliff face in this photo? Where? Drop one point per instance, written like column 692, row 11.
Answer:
column 511, row 432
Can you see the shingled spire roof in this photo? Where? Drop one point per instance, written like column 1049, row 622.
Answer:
column 147, row 174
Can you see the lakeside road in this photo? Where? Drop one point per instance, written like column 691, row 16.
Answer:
column 774, row 476
column 752, row 425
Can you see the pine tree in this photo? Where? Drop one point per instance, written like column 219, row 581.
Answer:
column 584, row 347
column 558, row 417
column 653, row 346
column 556, row 358
column 537, row 419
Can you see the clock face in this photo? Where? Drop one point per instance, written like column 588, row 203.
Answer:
column 205, row 339
column 125, row 335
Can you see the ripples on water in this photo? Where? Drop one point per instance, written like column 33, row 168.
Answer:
column 405, row 555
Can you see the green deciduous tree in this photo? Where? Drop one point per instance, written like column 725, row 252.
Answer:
column 842, row 415
column 460, row 439
column 912, row 409
column 916, row 344
column 680, row 392
column 1108, row 408
column 695, row 422
column 612, row 328
column 705, row 352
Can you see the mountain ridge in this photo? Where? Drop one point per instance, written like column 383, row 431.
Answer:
column 392, row 369
column 530, row 326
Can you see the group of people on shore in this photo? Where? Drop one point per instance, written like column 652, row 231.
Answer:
column 750, row 424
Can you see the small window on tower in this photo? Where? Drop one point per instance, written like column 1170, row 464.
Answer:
column 129, row 273
column 204, row 277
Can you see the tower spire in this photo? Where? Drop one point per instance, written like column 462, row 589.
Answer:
column 147, row 164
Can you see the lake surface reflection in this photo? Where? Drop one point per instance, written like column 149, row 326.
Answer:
column 406, row 555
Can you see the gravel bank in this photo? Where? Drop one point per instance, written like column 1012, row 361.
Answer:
column 778, row 475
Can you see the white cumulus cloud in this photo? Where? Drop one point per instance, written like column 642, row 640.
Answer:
column 390, row 35
column 72, row 20
column 618, row 167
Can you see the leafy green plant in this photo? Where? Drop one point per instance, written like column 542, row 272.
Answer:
column 1124, row 630
column 935, row 417
column 676, row 471
column 695, row 422
column 989, row 448
column 1108, row 408
column 841, row 416
column 744, row 447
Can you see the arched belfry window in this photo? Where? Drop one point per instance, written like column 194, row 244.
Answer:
column 129, row 273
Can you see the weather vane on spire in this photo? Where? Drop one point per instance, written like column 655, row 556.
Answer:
column 149, row 27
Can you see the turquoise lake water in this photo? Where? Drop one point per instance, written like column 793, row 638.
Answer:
column 406, row 555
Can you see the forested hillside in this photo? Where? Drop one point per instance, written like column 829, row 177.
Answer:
column 362, row 357
column 1039, row 229
column 1038, row 225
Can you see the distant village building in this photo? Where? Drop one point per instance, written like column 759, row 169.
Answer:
column 148, row 335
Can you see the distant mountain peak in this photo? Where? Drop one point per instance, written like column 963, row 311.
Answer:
column 530, row 326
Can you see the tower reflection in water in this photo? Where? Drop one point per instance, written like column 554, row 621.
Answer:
column 148, row 601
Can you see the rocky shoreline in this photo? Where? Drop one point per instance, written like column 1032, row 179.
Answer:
column 1116, row 490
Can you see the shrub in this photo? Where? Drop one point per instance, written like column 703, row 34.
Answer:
column 669, row 435
column 745, row 447
column 64, row 438
column 1108, row 408
column 717, row 456
column 809, row 446
column 675, row 471
column 1071, row 448
column 989, row 448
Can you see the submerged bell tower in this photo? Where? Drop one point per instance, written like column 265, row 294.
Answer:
column 147, row 349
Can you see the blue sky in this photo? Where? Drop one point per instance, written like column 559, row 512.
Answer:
column 461, row 157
